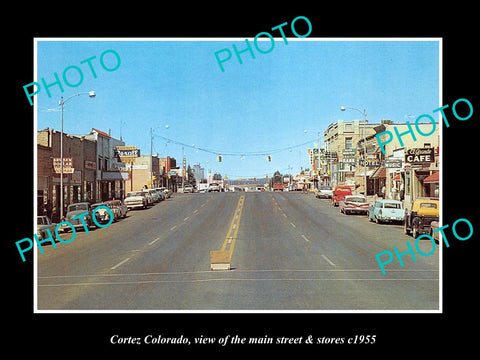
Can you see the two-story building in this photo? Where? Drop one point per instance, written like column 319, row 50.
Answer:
column 110, row 172
column 78, row 175
column 412, row 168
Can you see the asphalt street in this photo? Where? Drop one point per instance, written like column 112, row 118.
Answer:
column 290, row 251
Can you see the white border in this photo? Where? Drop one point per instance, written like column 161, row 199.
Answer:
column 339, row 39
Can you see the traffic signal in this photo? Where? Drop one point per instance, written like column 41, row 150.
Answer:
column 269, row 157
column 219, row 158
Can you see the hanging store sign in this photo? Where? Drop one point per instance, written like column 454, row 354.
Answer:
column 370, row 163
column 67, row 165
column 392, row 163
column 419, row 155
column 127, row 154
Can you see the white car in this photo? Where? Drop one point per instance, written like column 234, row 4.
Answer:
column 188, row 189
column 135, row 200
column 323, row 191
column 213, row 187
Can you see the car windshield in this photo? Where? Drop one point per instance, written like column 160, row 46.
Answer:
column 77, row 207
column 325, row 187
column 392, row 206
column 135, row 193
column 428, row 205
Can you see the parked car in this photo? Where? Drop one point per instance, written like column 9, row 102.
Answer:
column 44, row 223
column 154, row 194
column 161, row 194
column 118, row 208
column 150, row 200
column 101, row 215
column 339, row 194
column 167, row 192
column 76, row 209
column 353, row 204
column 135, row 200
column 323, row 192
column 386, row 210
column 419, row 219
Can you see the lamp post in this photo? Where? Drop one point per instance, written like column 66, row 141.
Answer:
column 62, row 103
column 364, row 114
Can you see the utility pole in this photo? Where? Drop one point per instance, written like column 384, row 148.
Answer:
column 151, row 158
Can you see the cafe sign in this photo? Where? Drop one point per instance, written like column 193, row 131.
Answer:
column 420, row 155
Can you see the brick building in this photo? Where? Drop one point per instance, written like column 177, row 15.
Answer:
column 79, row 185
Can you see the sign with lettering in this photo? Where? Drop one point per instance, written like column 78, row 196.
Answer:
column 127, row 154
column 392, row 163
column 419, row 155
column 67, row 165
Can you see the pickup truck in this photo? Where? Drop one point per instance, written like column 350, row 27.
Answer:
column 419, row 219
column 339, row 194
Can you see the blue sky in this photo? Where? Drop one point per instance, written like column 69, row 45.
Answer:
column 277, row 101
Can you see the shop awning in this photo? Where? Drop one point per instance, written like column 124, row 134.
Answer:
column 432, row 179
column 381, row 172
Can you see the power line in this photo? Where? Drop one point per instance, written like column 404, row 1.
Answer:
column 236, row 153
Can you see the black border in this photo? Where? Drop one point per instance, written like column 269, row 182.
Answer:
column 61, row 334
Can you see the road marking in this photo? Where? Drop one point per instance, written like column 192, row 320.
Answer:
column 231, row 236
column 120, row 263
column 195, row 211
column 328, row 260
column 188, row 217
column 154, row 241
column 174, row 273
column 284, row 215
column 305, row 238
column 173, row 227
column 293, row 225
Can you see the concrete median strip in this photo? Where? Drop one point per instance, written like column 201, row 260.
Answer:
column 221, row 259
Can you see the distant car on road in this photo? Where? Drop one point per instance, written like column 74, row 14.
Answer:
column 323, row 192
column 353, row 204
column 386, row 210
column 214, row 187
column 339, row 194
column 188, row 189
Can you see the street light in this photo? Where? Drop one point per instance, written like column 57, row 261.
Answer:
column 364, row 114
column 62, row 102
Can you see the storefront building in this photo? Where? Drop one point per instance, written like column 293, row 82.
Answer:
column 109, row 171
column 78, row 177
column 412, row 168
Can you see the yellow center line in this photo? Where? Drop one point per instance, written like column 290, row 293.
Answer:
column 231, row 237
